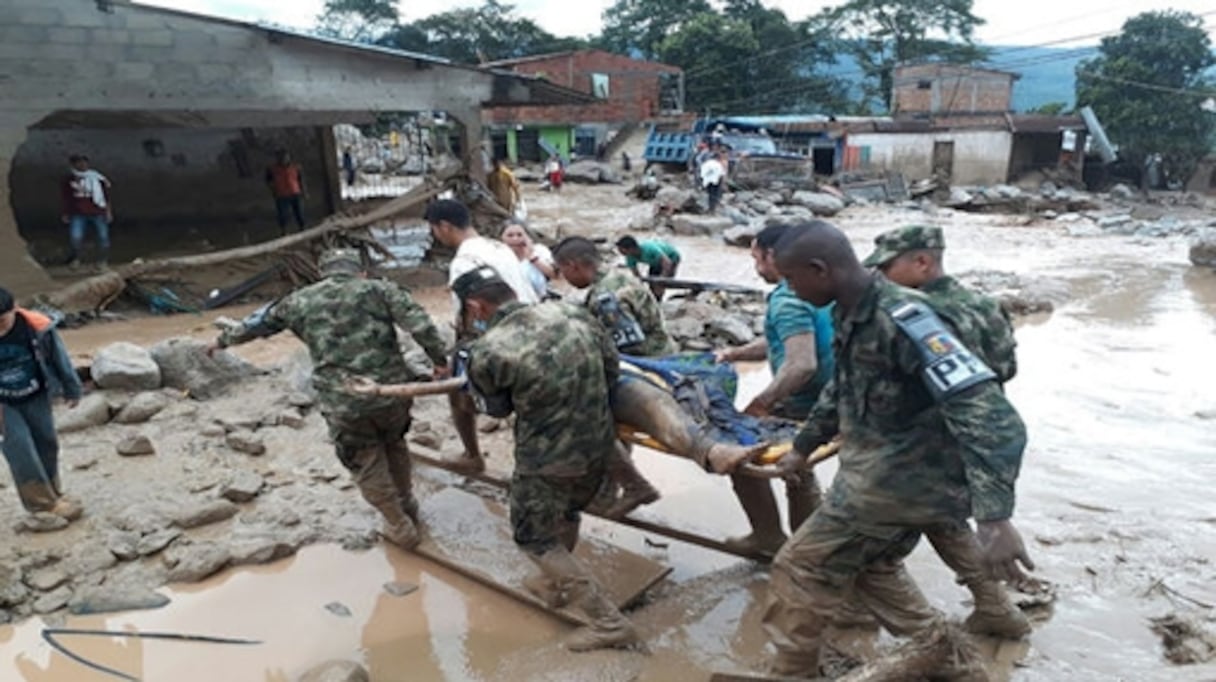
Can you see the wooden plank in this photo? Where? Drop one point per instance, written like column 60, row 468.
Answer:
column 472, row 536
column 433, row 459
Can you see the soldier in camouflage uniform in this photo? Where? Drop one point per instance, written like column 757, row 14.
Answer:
column 551, row 364
column 928, row 439
column 625, row 307
column 347, row 321
column 912, row 257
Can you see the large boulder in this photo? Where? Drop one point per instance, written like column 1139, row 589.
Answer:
column 591, row 173
column 676, row 200
column 125, row 366
column 1203, row 248
column 700, row 225
column 142, row 408
column 820, row 203
column 742, row 235
column 185, row 365
column 93, row 410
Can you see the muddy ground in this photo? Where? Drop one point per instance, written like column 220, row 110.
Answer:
column 1114, row 500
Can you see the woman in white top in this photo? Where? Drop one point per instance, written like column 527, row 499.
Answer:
column 535, row 259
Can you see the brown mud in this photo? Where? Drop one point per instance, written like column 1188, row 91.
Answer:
column 1114, row 500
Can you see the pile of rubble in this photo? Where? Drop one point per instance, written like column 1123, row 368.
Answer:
column 713, row 321
column 741, row 215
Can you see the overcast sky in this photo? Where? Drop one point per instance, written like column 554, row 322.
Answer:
column 1021, row 22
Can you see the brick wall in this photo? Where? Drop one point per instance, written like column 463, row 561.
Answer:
column 633, row 89
column 942, row 88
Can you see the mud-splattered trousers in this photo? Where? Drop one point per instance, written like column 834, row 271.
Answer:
column 32, row 450
column 372, row 447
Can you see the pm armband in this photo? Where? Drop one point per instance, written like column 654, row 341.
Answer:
column 947, row 366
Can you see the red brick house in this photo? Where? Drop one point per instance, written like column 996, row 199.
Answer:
column 948, row 89
column 632, row 91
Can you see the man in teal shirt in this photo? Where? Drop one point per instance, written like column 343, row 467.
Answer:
column 662, row 259
column 798, row 345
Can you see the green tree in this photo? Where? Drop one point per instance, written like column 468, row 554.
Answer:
column 752, row 59
column 1049, row 109
column 360, row 20
column 642, row 25
column 881, row 34
column 1148, row 87
column 490, row 32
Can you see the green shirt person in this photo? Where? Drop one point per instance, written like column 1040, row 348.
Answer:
column 661, row 259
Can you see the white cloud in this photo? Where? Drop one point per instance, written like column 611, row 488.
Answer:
column 1009, row 23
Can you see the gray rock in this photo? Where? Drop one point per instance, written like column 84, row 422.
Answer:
column 1203, row 248
column 398, row 589
column 1083, row 229
column 427, row 440
column 12, row 590
column 46, row 579
column 301, row 400
column 135, row 445
column 53, row 601
column 273, row 515
column 1122, row 192
column 112, row 599
column 685, row 328
column 742, row 235
column 196, row 514
column 700, row 225
column 734, row 215
column 265, row 546
column 591, row 173
column 958, row 197
column 760, row 206
column 1118, row 224
column 213, row 431
column 243, row 486
column 156, row 541
column 336, row 671
column 142, row 518
column 292, row 419
column 93, row 410
column 698, row 345
column 122, row 544
column 87, row 558
column 1068, row 217
column 41, row 522
column 732, row 329
column 246, row 442
column 142, row 408
column 185, row 366
column 125, row 366
column 193, row 562
column 821, row 204
column 677, row 200
column 338, row 609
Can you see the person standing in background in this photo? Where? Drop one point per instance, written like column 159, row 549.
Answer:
column 86, row 201
column 286, row 183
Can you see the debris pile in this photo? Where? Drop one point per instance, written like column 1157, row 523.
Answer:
column 716, row 320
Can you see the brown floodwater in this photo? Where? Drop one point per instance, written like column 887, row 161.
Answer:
column 1115, row 504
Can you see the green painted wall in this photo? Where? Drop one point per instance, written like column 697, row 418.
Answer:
column 512, row 146
column 561, row 137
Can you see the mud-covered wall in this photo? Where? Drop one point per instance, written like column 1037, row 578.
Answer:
column 172, row 188
column 981, row 157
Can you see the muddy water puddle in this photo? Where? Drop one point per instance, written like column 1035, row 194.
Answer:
column 1114, row 503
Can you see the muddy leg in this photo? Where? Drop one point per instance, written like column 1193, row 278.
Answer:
column 372, row 473
column 635, row 490
column 760, row 506
column 804, row 497
column 995, row 613
column 464, row 418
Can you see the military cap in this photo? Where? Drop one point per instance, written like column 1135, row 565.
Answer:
column 901, row 240
column 474, row 281
column 340, row 260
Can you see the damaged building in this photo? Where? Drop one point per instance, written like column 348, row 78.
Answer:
column 183, row 113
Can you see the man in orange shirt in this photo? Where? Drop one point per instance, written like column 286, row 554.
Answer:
column 286, row 183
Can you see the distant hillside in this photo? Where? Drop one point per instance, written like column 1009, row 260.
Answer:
column 1048, row 73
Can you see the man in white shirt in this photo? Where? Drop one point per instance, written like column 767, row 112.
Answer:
column 451, row 226
column 713, row 177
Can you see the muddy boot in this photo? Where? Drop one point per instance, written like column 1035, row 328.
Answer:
column 995, row 613
column 804, row 498
column 545, row 589
column 67, row 508
column 756, row 496
column 944, row 652
column 609, row 628
column 635, row 489
column 402, row 533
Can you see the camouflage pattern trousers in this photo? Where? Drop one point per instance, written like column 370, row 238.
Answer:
column 545, row 510
column 826, row 578
column 372, row 447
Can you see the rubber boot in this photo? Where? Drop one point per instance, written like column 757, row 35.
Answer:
column 375, row 482
column 804, row 497
column 995, row 613
column 545, row 589
column 756, row 496
column 609, row 628
column 635, row 489
column 942, row 652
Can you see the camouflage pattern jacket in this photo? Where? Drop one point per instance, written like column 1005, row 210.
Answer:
column 907, row 460
column 347, row 323
column 637, row 301
column 981, row 323
column 556, row 363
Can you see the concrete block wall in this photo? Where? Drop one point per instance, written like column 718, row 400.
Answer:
column 951, row 89
column 173, row 189
column 981, row 157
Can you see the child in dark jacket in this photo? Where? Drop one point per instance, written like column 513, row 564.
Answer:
column 34, row 368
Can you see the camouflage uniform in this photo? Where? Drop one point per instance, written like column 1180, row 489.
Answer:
column 637, row 300
column 907, row 463
column 984, row 327
column 555, row 363
column 347, row 322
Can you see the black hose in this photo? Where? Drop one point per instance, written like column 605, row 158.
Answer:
column 49, row 635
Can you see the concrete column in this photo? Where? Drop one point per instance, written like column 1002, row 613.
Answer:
column 333, row 174
column 18, row 272
column 474, row 160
